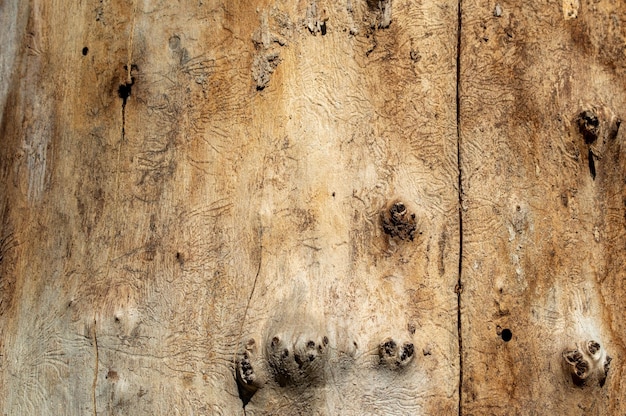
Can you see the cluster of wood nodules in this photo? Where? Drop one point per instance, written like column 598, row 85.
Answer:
column 303, row 362
column 297, row 362
column 398, row 222
column 394, row 355
column 586, row 363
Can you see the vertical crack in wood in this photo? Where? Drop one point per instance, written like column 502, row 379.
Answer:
column 123, row 127
column 245, row 313
column 130, row 45
column 95, row 375
column 256, row 278
column 129, row 78
column 459, row 285
column 124, row 94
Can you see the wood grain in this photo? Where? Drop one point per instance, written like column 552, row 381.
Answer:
column 542, row 240
column 181, row 177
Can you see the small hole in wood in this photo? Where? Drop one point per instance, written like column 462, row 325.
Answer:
column 506, row 335
column 124, row 91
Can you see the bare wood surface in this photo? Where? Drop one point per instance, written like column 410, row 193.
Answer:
column 181, row 177
column 542, row 92
column 212, row 207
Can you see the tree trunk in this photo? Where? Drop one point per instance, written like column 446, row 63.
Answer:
column 317, row 207
column 543, row 164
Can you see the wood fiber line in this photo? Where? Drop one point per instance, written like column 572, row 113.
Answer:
column 96, row 367
column 459, row 286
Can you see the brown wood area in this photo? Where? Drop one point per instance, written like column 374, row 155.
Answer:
column 347, row 207
column 542, row 93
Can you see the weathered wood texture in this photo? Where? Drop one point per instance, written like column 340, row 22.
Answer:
column 194, row 192
column 178, row 178
column 543, row 227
